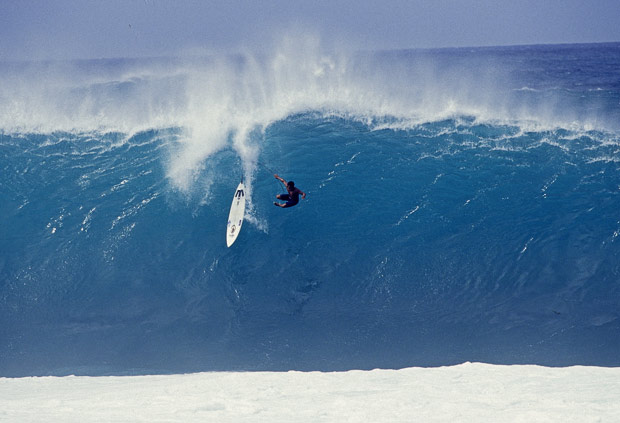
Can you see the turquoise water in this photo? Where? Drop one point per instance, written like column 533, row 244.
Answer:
column 463, row 205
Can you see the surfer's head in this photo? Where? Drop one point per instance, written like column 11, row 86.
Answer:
column 290, row 184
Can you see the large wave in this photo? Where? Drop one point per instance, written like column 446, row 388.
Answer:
column 462, row 205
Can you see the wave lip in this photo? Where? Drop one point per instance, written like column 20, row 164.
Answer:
column 219, row 101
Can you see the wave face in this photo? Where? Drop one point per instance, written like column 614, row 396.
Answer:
column 463, row 205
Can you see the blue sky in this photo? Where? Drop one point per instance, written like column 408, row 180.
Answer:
column 69, row 29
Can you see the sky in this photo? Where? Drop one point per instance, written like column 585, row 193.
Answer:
column 85, row 29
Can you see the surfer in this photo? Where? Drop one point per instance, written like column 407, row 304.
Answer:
column 292, row 198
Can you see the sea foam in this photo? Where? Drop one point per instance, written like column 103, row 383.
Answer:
column 467, row 392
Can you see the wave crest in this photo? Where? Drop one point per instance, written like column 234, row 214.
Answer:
column 228, row 101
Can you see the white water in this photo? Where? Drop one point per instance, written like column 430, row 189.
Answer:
column 470, row 392
column 220, row 101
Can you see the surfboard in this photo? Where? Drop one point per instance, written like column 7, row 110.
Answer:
column 235, row 217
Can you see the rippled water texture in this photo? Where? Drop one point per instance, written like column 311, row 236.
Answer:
column 463, row 205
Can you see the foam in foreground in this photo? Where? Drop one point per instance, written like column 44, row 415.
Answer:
column 466, row 392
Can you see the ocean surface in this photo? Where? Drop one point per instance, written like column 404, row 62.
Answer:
column 462, row 205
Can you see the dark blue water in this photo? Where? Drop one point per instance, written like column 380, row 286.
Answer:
column 463, row 205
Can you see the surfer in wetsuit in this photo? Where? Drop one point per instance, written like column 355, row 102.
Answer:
column 292, row 198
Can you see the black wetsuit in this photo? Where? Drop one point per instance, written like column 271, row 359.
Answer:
column 292, row 198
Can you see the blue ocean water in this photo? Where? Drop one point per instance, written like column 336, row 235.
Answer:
column 463, row 205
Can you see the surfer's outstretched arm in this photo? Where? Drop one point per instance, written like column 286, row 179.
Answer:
column 279, row 179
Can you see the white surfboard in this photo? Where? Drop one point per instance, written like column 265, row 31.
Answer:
column 235, row 217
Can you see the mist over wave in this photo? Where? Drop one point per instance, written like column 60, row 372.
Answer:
column 219, row 101
column 462, row 206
